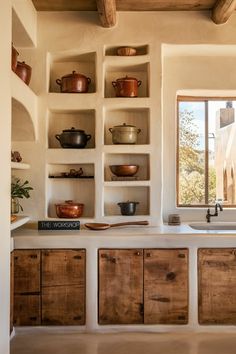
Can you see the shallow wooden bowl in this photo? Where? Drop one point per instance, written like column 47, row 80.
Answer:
column 126, row 51
column 124, row 170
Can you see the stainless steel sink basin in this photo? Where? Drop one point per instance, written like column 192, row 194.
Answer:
column 214, row 226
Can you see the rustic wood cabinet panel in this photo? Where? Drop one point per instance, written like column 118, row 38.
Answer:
column 217, row 286
column 166, row 286
column 63, row 287
column 63, row 267
column 63, row 305
column 121, row 286
column 27, row 287
column 27, row 310
column 26, row 271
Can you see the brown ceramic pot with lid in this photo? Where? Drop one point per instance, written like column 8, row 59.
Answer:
column 23, row 70
column 69, row 209
column 126, row 86
column 74, row 83
column 124, row 134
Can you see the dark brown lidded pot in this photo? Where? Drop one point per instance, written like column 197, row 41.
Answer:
column 23, row 71
column 73, row 138
column 126, row 86
column 74, row 83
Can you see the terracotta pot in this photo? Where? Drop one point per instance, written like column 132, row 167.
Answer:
column 126, row 86
column 124, row 134
column 126, row 51
column 73, row 138
column 74, row 83
column 128, row 208
column 24, row 71
column 14, row 55
column 124, row 170
column 69, row 209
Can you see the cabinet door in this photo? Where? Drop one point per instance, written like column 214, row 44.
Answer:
column 63, row 287
column 166, row 286
column 26, row 271
column 217, row 286
column 27, row 304
column 120, row 286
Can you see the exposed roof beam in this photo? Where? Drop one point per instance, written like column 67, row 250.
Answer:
column 222, row 11
column 107, row 12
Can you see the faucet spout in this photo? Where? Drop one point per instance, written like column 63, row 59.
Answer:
column 209, row 215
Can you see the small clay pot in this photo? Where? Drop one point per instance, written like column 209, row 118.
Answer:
column 128, row 208
column 69, row 209
column 24, row 71
column 74, row 83
column 126, row 86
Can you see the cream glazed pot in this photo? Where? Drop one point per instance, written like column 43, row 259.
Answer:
column 124, row 134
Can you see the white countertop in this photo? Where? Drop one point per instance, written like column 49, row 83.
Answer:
column 128, row 236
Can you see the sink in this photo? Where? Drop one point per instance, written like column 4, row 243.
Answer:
column 214, row 226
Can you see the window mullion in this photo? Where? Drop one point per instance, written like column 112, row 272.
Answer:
column 206, row 155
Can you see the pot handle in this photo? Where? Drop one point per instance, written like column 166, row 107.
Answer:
column 139, row 82
column 89, row 80
column 57, row 136
column 138, row 131
column 58, row 81
column 110, row 130
column 114, row 83
column 88, row 137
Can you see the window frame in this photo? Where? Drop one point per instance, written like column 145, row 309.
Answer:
column 205, row 99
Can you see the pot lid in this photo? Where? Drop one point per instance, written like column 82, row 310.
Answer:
column 22, row 63
column 127, row 78
column 124, row 125
column 127, row 203
column 74, row 75
column 73, row 130
column 68, row 203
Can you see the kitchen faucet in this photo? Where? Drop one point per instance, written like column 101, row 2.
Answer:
column 209, row 215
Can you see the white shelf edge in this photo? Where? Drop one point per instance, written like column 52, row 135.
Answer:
column 127, row 183
column 57, row 101
column 19, row 166
column 21, row 220
column 25, row 96
column 143, row 149
column 122, row 60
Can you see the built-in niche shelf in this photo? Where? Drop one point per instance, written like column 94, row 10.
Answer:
column 79, row 119
column 63, row 64
column 140, row 50
column 19, row 166
column 80, row 190
column 24, row 111
column 114, row 195
column 139, row 117
column 137, row 71
column 142, row 160
column 20, row 221
column 24, row 24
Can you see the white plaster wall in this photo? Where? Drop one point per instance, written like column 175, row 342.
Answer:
column 210, row 76
column 5, row 124
column 80, row 33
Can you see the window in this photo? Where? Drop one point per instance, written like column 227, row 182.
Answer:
column 206, row 151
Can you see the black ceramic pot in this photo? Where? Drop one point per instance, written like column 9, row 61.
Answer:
column 73, row 138
column 128, row 208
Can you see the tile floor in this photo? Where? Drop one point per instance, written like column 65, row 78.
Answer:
column 44, row 342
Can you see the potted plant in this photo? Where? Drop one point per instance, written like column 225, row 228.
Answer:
column 19, row 189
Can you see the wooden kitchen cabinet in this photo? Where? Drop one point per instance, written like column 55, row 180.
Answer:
column 217, row 286
column 63, row 287
column 166, row 286
column 27, row 304
column 120, row 286
column 143, row 286
column 49, row 287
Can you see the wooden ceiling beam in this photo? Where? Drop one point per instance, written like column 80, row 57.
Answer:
column 107, row 12
column 222, row 11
